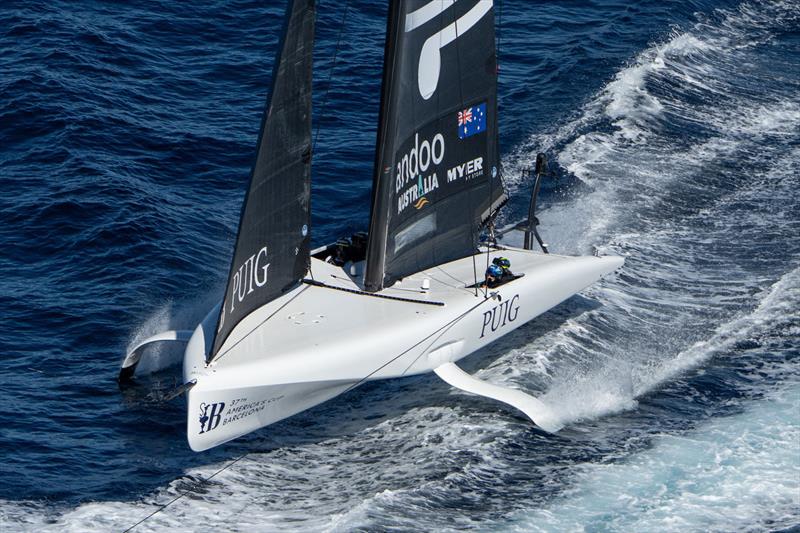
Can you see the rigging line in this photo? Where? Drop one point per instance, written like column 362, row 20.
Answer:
column 475, row 273
column 488, row 252
column 181, row 495
column 490, row 225
column 499, row 31
column 501, row 3
column 417, row 291
column 310, row 261
column 308, row 265
column 330, row 71
column 278, row 310
column 395, row 358
column 371, row 294
column 458, row 62
column 474, row 264
column 461, row 283
column 498, row 47
column 497, row 113
column 441, row 332
column 327, row 90
column 461, row 286
column 461, row 101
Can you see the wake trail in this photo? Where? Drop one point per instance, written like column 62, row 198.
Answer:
column 688, row 210
column 617, row 387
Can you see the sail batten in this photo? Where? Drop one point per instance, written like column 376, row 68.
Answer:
column 273, row 242
column 437, row 173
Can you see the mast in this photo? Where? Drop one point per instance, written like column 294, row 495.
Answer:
column 378, row 220
column 273, row 242
column 436, row 177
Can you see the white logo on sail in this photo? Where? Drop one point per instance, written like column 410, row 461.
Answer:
column 430, row 59
column 254, row 270
column 418, row 159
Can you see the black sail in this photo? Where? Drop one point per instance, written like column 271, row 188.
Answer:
column 272, row 247
column 437, row 175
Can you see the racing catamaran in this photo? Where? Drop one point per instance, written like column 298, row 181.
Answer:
column 296, row 326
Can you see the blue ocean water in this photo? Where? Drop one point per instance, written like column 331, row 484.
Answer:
column 126, row 134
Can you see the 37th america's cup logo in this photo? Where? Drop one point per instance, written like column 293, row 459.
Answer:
column 430, row 59
column 210, row 416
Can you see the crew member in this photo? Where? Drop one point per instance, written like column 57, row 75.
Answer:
column 494, row 276
column 505, row 264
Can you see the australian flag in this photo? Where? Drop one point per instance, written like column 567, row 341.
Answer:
column 471, row 120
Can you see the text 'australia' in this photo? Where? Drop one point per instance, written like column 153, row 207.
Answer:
column 412, row 180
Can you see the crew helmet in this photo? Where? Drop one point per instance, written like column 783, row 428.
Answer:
column 502, row 262
column 494, row 271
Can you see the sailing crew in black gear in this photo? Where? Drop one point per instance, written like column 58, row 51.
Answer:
column 505, row 264
column 499, row 272
column 494, row 275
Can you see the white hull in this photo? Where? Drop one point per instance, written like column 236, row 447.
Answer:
column 317, row 342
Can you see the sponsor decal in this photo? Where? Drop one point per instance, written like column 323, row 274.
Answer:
column 250, row 275
column 213, row 415
column 242, row 408
column 471, row 121
column 430, row 60
column 418, row 159
column 501, row 314
column 414, row 173
column 415, row 195
column 210, row 416
column 424, row 163
column 466, row 171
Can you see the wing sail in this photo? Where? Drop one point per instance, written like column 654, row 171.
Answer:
column 437, row 167
column 273, row 243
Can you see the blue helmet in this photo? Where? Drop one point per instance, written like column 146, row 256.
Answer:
column 494, row 271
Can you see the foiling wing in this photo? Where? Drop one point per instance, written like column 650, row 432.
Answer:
column 437, row 173
column 272, row 247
